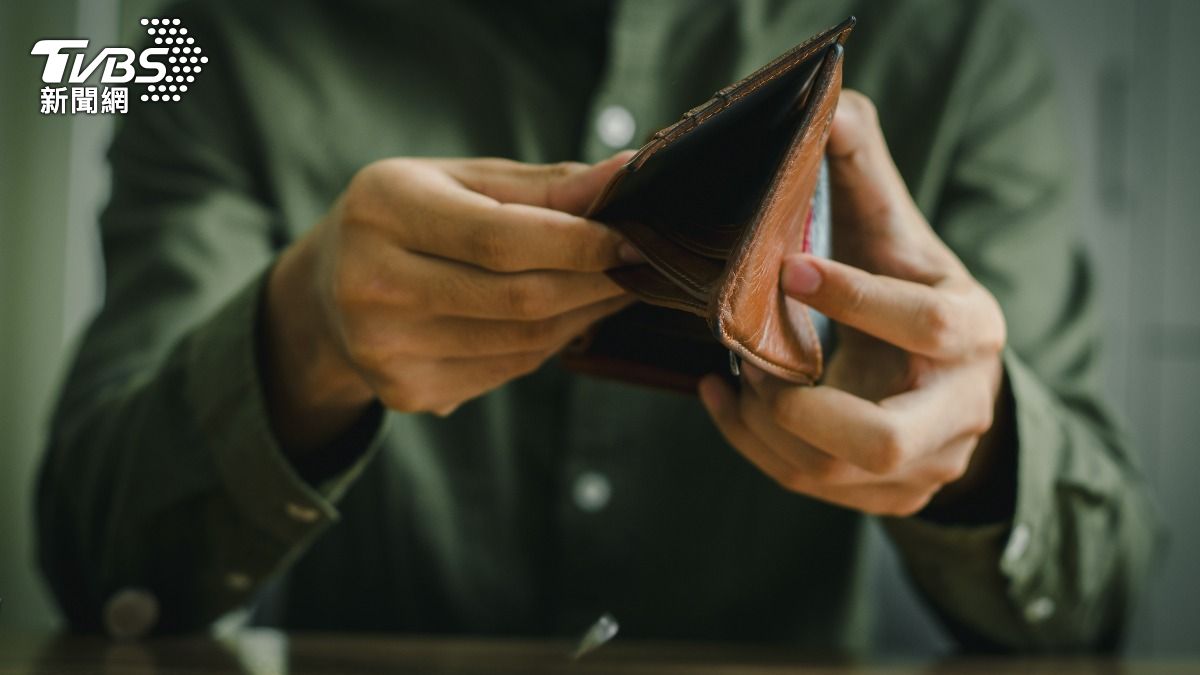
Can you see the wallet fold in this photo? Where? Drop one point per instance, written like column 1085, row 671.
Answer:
column 714, row 202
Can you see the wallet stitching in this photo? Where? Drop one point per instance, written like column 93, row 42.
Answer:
column 808, row 327
column 740, row 91
column 697, row 116
column 691, row 281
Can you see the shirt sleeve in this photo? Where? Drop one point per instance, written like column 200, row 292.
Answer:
column 162, row 482
column 1064, row 572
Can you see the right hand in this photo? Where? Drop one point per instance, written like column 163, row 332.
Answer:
column 431, row 282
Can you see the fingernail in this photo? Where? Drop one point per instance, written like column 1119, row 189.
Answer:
column 752, row 373
column 629, row 255
column 800, row 276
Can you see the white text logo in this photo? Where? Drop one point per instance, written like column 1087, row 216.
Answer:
column 166, row 68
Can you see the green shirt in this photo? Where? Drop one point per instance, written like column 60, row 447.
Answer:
column 533, row 509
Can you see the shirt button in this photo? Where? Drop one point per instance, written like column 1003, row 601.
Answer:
column 1018, row 543
column 130, row 613
column 615, row 126
column 302, row 513
column 1039, row 610
column 592, row 491
column 238, row 581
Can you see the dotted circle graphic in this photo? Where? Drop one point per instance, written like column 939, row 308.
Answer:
column 184, row 61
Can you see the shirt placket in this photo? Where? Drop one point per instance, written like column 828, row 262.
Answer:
column 591, row 475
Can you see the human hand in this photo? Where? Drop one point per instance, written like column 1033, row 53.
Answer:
column 432, row 281
column 910, row 395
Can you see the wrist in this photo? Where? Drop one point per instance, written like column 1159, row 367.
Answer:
column 313, row 392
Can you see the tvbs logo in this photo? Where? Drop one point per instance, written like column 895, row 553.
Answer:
column 166, row 68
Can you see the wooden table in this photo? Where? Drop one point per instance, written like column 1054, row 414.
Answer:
column 262, row 652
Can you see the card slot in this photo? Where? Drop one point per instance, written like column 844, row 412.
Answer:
column 650, row 286
column 695, row 275
column 710, row 241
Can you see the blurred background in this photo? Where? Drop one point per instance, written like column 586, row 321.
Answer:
column 1129, row 73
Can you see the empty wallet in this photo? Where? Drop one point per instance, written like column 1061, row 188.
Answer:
column 714, row 202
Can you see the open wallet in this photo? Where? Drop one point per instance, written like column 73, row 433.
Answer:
column 714, row 202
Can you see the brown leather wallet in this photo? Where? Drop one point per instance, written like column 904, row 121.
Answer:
column 714, row 202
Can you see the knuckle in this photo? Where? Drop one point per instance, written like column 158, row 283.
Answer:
column 526, row 299
column 394, row 166
column 559, row 170
column 986, row 418
column 396, row 396
column 356, row 208
column 901, row 502
column 489, row 249
column 958, row 468
column 909, row 504
column 890, row 450
column 993, row 341
column 939, row 322
column 552, row 176
column 857, row 294
column 360, row 198
column 947, row 472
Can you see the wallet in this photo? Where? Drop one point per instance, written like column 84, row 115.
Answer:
column 714, row 202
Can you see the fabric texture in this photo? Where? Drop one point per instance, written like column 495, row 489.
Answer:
column 162, row 472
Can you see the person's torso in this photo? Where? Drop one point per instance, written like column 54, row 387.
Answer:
column 539, row 506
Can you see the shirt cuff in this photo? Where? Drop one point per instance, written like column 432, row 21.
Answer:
column 997, row 575
column 225, row 389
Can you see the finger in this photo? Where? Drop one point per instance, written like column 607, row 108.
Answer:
column 882, row 438
column 882, row 497
column 722, row 406
column 947, row 464
column 433, row 287
column 932, row 321
column 939, row 467
column 871, row 202
column 867, row 186
column 441, row 217
column 815, row 465
column 948, row 405
column 459, row 337
column 838, row 423
column 454, row 381
column 566, row 186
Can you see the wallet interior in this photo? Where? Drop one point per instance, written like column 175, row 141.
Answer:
column 687, row 205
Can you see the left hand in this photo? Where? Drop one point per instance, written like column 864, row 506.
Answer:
column 912, row 389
